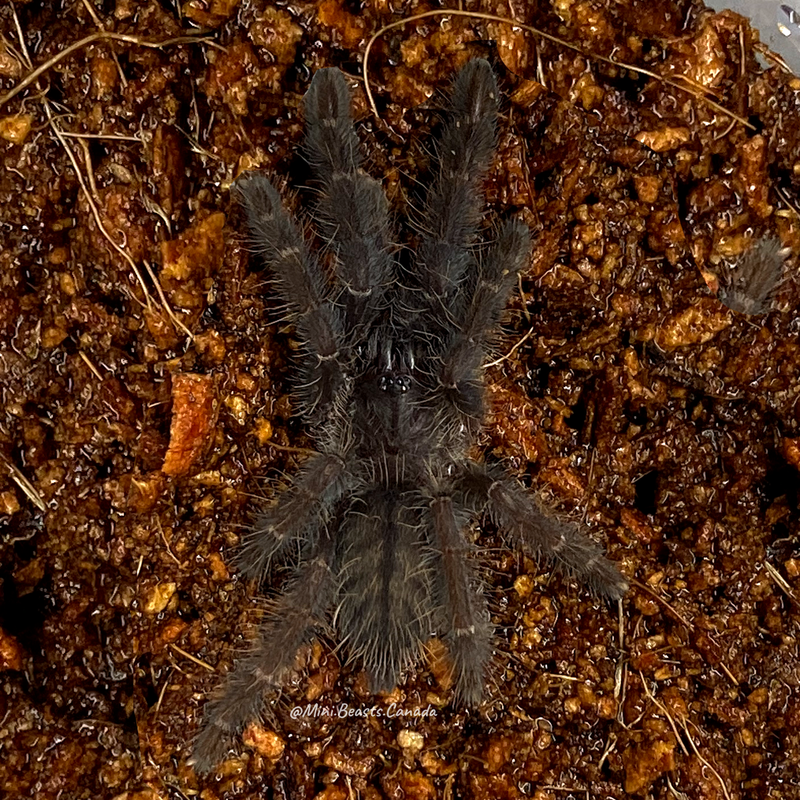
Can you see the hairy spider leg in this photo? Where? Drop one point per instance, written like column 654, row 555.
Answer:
column 459, row 377
column 352, row 209
column 516, row 511
column 465, row 151
column 460, row 600
column 297, row 516
column 749, row 283
column 288, row 625
column 384, row 583
column 302, row 285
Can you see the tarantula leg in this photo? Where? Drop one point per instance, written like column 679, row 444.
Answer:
column 300, row 512
column 385, row 592
column 459, row 377
column 454, row 201
column 461, row 603
column 289, row 625
column 352, row 207
column 519, row 513
column 301, row 283
column 749, row 284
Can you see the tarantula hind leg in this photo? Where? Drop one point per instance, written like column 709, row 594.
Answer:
column 296, row 517
column 460, row 601
column 518, row 512
column 288, row 625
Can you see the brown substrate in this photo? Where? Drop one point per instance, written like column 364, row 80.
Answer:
column 636, row 399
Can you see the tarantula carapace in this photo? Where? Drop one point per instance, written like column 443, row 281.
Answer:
column 391, row 382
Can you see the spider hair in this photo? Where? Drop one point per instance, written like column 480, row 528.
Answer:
column 749, row 283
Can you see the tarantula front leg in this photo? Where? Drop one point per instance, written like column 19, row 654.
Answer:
column 454, row 201
column 302, row 285
column 459, row 377
column 461, row 603
column 288, row 625
column 352, row 207
column 518, row 512
column 300, row 512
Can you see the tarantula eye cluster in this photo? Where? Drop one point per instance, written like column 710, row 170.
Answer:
column 390, row 380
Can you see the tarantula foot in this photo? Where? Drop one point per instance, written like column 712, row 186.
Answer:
column 604, row 579
column 210, row 748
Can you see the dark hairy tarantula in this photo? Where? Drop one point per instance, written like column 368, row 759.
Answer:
column 391, row 383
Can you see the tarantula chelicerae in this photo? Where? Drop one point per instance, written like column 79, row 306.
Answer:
column 391, row 382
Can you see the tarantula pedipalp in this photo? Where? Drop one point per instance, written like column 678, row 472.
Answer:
column 391, row 382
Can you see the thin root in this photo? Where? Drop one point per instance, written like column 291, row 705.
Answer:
column 549, row 37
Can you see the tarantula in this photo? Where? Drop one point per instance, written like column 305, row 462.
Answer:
column 391, row 383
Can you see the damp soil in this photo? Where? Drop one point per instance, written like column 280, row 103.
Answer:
column 144, row 402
